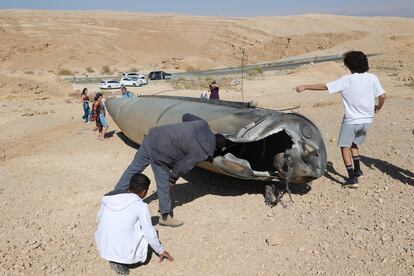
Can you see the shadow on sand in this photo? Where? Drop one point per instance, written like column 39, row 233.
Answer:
column 402, row 175
column 201, row 182
column 330, row 173
column 126, row 140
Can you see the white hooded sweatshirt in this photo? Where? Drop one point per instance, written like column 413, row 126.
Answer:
column 125, row 229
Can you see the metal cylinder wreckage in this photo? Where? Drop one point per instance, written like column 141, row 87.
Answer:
column 267, row 144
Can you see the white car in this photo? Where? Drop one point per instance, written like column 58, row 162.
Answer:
column 109, row 84
column 131, row 82
column 135, row 75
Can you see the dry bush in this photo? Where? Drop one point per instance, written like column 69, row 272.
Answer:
column 254, row 73
column 133, row 69
column 29, row 72
column 64, row 72
column 89, row 69
column 190, row 68
column 106, row 70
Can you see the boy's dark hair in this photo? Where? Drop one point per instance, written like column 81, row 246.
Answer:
column 356, row 61
column 139, row 182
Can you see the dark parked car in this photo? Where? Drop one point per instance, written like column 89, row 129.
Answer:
column 159, row 75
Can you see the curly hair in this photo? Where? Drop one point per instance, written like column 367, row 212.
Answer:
column 356, row 61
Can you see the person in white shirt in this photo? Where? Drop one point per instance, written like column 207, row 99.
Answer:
column 360, row 91
column 125, row 229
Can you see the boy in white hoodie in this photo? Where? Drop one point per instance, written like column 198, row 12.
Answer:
column 125, row 229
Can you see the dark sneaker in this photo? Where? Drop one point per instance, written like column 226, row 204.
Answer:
column 351, row 183
column 358, row 174
column 119, row 269
column 168, row 220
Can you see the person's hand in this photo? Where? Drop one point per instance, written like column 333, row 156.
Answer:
column 165, row 255
column 300, row 88
column 376, row 109
column 172, row 184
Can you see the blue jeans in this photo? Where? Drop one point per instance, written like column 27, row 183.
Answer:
column 103, row 120
column 162, row 177
column 86, row 110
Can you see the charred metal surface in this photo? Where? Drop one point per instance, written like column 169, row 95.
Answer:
column 267, row 144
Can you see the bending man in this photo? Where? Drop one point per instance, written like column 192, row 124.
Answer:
column 172, row 150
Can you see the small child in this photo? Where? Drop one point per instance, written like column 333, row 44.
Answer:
column 359, row 92
column 125, row 229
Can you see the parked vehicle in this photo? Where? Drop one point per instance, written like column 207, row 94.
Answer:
column 141, row 78
column 135, row 75
column 109, row 84
column 159, row 75
column 131, row 82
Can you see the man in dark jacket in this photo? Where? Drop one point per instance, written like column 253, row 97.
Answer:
column 172, row 150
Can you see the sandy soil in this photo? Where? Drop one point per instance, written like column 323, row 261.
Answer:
column 53, row 170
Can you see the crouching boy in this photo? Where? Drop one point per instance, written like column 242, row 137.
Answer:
column 124, row 227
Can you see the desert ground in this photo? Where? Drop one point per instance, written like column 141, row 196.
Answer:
column 54, row 171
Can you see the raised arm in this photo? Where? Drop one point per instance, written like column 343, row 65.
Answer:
column 315, row 87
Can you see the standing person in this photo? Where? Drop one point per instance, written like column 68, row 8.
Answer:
column 95, row 112
column 85, row 104
column 99, row 115
column 125, row 229
column 214, row 91
column 359, row 91
column 125, row 93
column 172, row 150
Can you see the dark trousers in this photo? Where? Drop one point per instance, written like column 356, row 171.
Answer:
column 162, row 177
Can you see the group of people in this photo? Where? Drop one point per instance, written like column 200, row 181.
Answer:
column 98, row 112
column 125, row 234
column 125, row 230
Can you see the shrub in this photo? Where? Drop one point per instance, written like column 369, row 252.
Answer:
column 106, row 70
column 190, row 68
column 29, row 72
column 258, row 70
column 64, row 72
column 89, row 69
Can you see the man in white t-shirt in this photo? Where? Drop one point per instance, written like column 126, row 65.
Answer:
column 359, row 92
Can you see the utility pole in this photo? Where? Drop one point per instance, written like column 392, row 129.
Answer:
column 242, row 74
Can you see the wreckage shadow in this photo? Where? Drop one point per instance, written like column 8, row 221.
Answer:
column 202, row 182
column 330, row 173
column 127, row 141
column 400, row 174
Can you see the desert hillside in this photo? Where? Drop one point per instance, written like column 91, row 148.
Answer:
column 84, row 42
